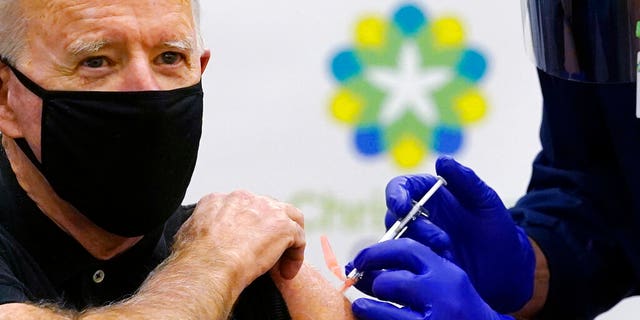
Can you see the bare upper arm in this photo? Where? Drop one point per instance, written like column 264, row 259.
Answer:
column 23, row 311
column 310, row 296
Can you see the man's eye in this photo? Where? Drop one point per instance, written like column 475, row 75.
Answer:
column 170, row 58
column 94, row 62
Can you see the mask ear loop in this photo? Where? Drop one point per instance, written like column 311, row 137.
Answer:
column 28, row 83
column 37, row 90
column 26, row 149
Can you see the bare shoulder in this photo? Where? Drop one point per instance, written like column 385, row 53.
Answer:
column 310, row 296
column 20, row 311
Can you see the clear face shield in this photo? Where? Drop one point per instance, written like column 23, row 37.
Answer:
column 594, row 41
column 584, row 40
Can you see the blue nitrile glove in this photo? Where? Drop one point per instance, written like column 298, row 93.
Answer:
column 410, row 274
column 484, row 241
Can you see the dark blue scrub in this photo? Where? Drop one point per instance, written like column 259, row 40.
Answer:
column 582, row 206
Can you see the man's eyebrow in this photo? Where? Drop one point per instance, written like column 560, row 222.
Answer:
column 82, row 48
column 184, row 44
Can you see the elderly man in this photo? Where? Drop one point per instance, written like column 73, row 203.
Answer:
column 100, row 114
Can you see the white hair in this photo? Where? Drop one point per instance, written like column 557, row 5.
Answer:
column 13, row 28
column 195, row 10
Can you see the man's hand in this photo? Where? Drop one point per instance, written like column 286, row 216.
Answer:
column 252, row 234
column 225, row 245
column 479, row 234
column 428, row 286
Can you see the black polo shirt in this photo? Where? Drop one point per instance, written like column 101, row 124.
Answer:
column 41, row 263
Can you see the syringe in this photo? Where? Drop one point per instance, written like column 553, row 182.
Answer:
column 400, row 226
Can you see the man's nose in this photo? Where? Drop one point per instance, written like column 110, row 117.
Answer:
column 139, row 76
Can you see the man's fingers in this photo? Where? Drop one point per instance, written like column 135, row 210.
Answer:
column 266, row 233
column 293, row 257
column 289, row 267
column 295, row 214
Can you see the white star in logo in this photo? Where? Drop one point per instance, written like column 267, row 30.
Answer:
column 408, row 87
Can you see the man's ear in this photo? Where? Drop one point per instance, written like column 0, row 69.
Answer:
column 8, row 122
column 204, row 60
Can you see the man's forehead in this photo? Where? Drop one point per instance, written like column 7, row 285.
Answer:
column 67, row 3
column 56, row 8
column 77, row 19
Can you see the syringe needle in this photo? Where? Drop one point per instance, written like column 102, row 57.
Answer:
column 400, row 226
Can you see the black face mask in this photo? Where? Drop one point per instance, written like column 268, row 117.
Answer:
column 123, row 159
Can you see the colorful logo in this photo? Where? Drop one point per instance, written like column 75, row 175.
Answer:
column 408, row 86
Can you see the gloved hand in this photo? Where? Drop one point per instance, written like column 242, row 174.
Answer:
column 410, row 274
column 483, row 239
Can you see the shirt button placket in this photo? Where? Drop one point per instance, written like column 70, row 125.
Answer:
column 98, row 276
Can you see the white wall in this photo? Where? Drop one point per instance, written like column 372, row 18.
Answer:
column 268, row 128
